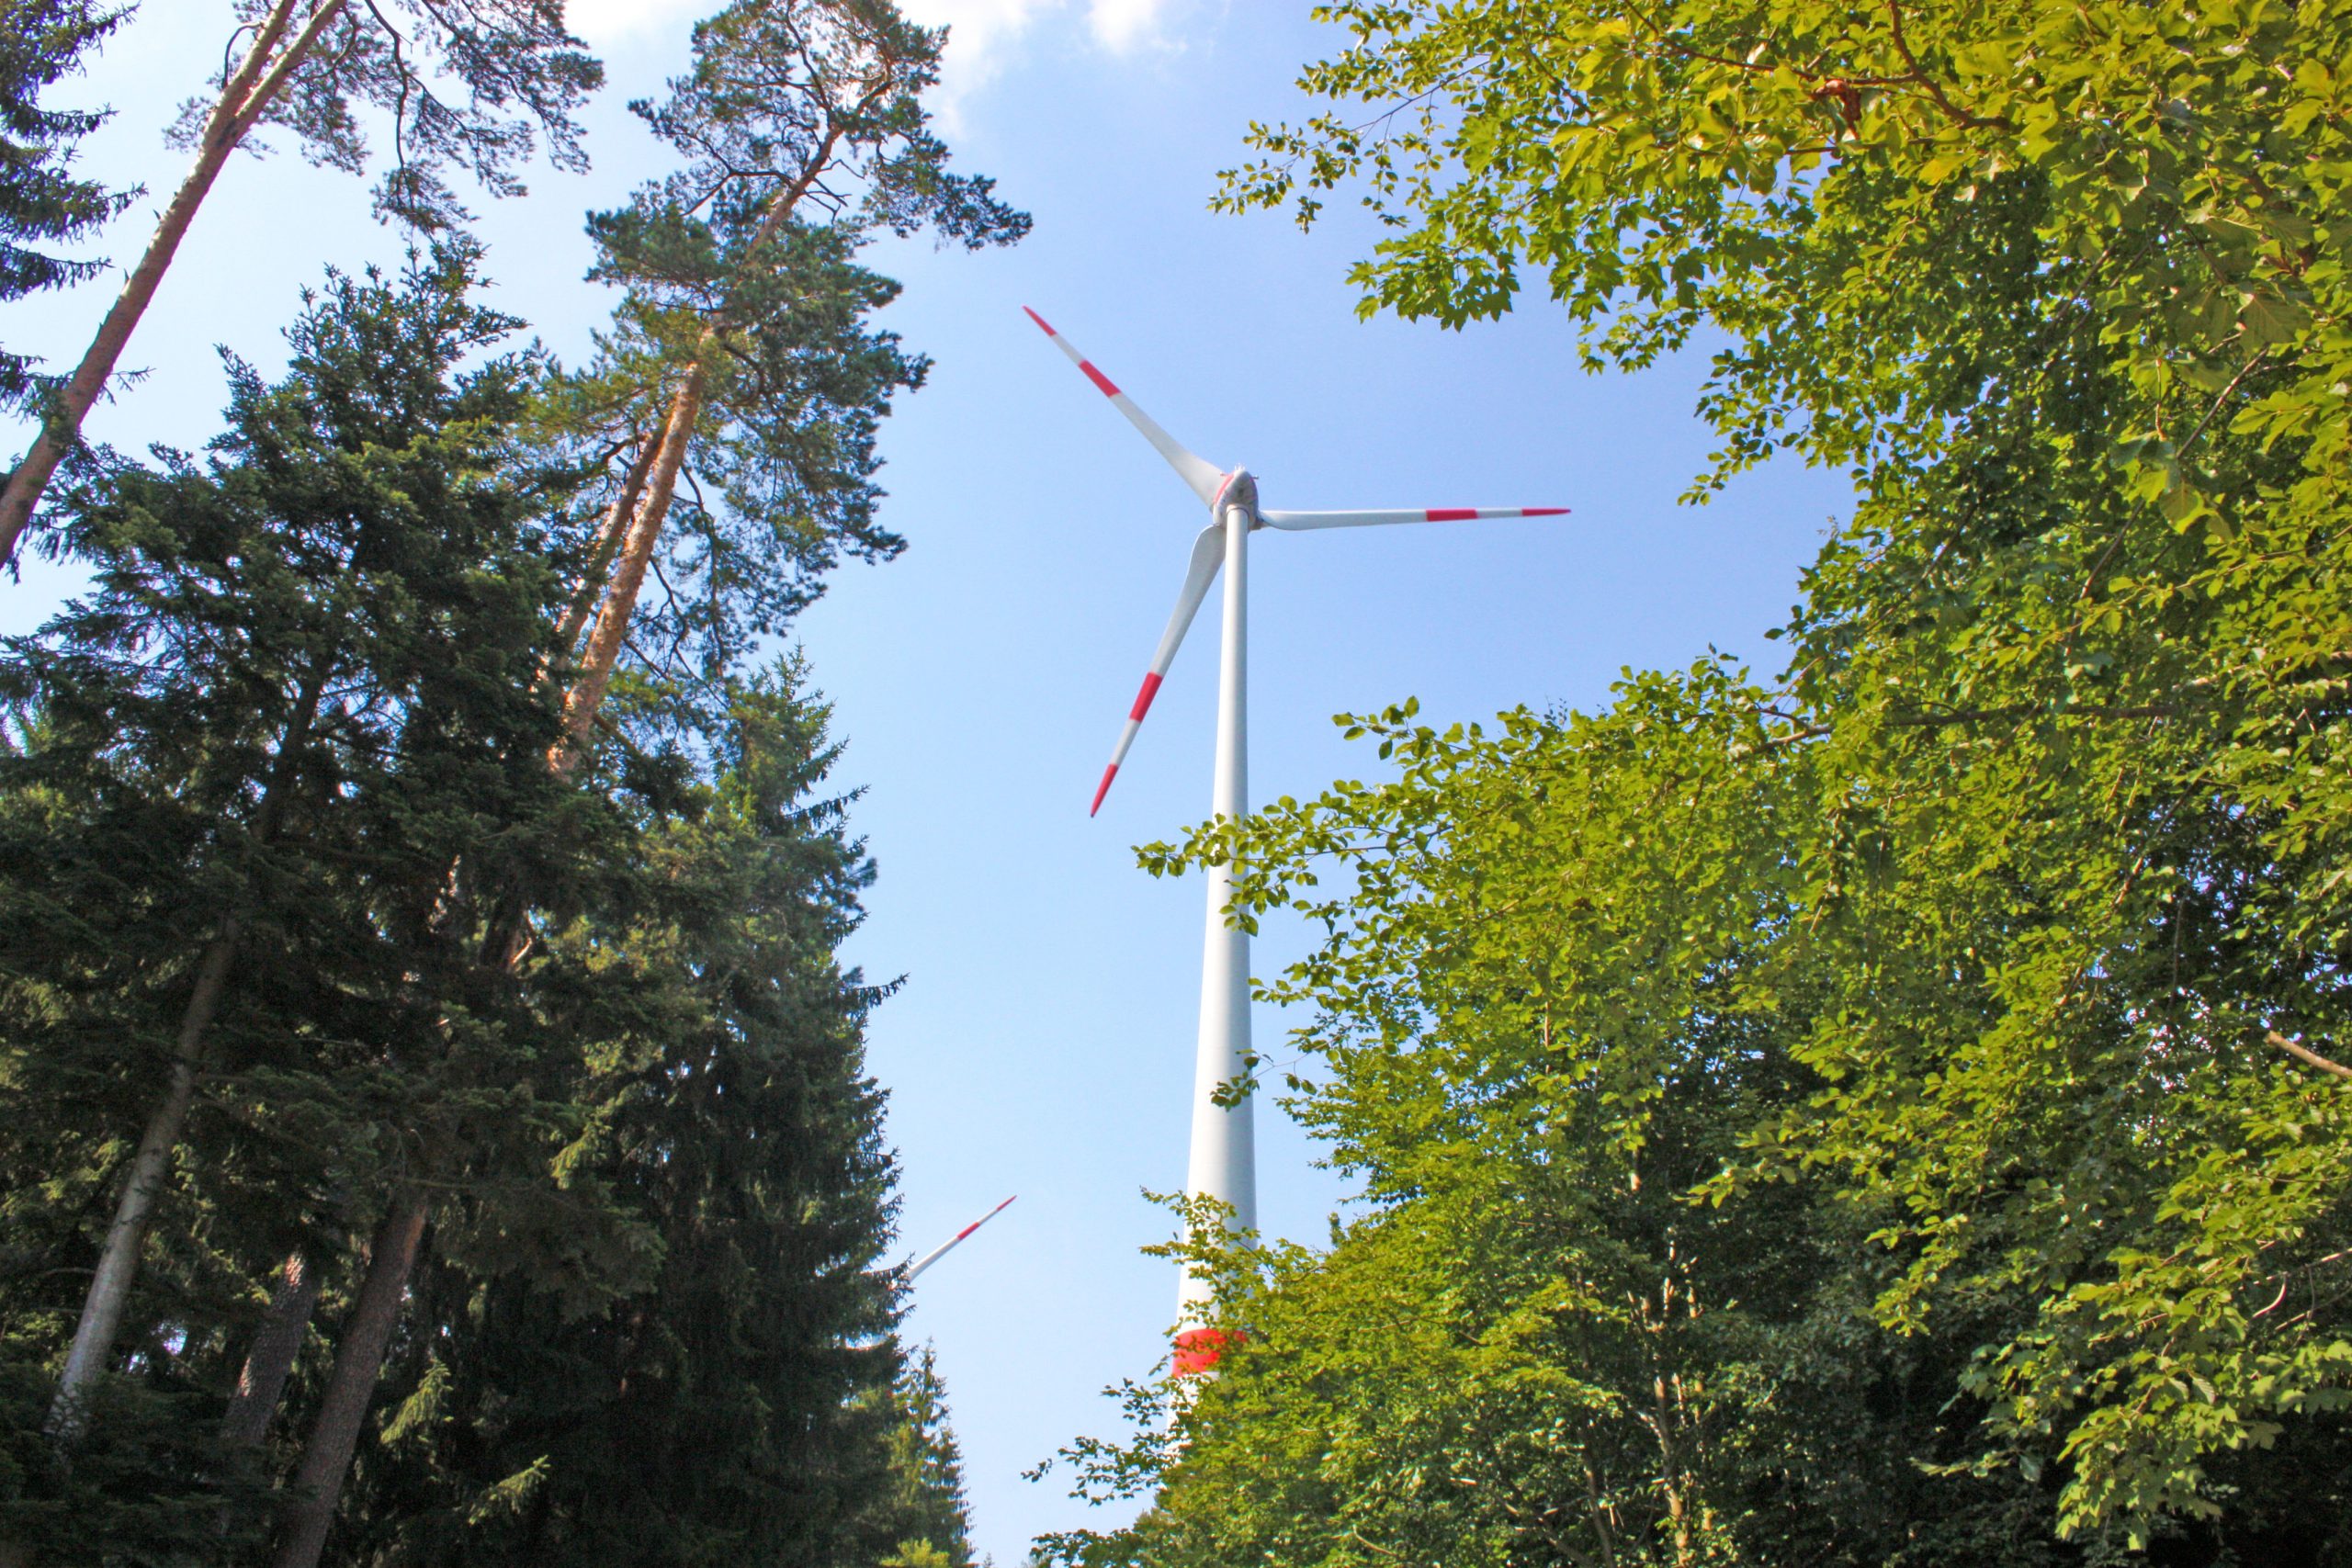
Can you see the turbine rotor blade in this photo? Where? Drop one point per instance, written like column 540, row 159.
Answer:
column 1208, row 555
column 1203, row 477
column 944, row 1249
column 1295, row 520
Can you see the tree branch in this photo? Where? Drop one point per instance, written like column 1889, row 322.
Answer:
column 2304, row 1053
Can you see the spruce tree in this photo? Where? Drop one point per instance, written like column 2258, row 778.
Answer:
column 302, row 688
column 923, row 1512
column 739, row 1407
column 42, row 203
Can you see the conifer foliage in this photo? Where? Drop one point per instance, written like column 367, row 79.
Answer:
column 433, row 1119
column 42, row 203
column 313, row 68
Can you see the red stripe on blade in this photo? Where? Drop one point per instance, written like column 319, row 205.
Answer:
column 1143, row 698
column 1039, row 319
column 1452, row 513
column 1542, row 512
column 1103, row 788
column 1098, row 378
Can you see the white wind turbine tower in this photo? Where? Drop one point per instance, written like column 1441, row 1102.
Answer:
column 1223, row 1164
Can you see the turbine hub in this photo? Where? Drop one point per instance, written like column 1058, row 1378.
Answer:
column 1240, row 489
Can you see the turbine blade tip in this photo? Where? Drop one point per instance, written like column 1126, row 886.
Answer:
column 1039, row 319
column 1103, row 788
column 1547, row 512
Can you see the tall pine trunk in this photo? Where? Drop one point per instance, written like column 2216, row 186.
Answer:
column 358, row 1357
column 608, row 542
column 244, row 97
column 602, row 652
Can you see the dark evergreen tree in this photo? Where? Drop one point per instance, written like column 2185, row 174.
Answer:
column 740, row 1408
column 376, row 996
column 304, row 687
column 42, row 204
column 924, row 1507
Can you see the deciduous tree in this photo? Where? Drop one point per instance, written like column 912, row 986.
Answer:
column 2055, row 981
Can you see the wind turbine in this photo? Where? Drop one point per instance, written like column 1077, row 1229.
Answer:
column 1222, row 1161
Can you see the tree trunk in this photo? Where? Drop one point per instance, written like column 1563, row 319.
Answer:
column 102, row 1307
column 359, row 1357
column 587, row 694
column 101, row 1319
column 604, row 649
column 608, row 541
column 243, row 99
column 270, row 1359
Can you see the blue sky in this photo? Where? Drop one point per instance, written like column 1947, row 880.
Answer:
column 1042, row 1043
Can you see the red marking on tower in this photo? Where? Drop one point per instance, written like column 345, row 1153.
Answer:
column 1103, row 788
column 1143, row 698
column 1199, row 1350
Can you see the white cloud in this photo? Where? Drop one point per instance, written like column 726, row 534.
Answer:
column 986, row 34
column 605, row 23
column 1123, row 26
column 982, row 33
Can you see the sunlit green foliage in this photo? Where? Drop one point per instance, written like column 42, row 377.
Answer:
column 1950, row 983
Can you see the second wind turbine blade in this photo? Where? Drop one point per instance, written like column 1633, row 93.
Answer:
column 944, row 1249
column 1298, row 520
column 1208, row 555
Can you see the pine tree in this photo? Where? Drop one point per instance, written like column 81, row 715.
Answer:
column 313, row 68
column 742, row 365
